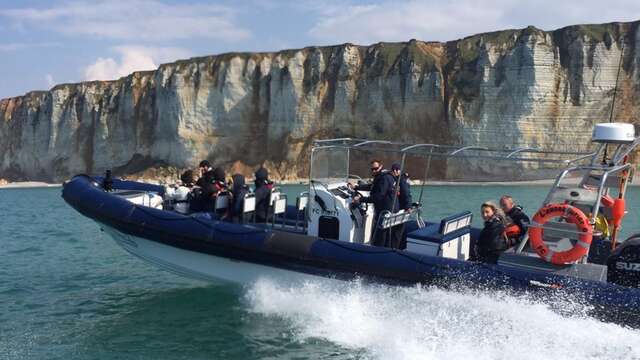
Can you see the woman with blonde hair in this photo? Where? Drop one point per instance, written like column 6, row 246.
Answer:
column 491, row 241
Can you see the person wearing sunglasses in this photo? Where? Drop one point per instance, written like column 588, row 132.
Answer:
column 382, row 194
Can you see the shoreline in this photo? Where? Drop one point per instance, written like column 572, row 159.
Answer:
column 545, row 182
column 29, row 185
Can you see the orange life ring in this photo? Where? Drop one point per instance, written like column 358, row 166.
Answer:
column 572, row 215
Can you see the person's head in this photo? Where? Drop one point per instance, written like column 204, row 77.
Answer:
column 218, row 174
column 209, row 177
column 204, row 166
column 187, row 178
column 238, row 181
column 506, row 203
column 262, row 175
column 376, row 167
column 396, row 169
column 488, row 210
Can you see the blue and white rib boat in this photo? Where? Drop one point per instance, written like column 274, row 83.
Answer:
column 326, row 234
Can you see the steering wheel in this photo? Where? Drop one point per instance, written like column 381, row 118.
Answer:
column 360, row 204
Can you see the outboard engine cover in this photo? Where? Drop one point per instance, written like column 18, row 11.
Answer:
column 623, row 265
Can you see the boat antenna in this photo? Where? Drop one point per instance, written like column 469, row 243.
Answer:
column 615, row 91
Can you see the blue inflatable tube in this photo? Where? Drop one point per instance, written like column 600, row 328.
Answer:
column 329, row 258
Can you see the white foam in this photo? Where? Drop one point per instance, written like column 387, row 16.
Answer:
column 431, row 323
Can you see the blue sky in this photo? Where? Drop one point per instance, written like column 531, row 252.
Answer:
column 43, row 43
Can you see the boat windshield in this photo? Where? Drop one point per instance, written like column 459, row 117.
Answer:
column 330, row 164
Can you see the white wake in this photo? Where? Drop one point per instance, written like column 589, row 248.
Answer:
column 431, row 323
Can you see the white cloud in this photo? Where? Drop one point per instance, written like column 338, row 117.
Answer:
column 387, row 20
column 131, row 58
column 49, row 79
column 139, row 20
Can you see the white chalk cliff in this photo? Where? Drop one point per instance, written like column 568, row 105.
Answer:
column 510, row 88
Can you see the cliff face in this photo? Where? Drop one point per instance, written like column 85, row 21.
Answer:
column 510, row 88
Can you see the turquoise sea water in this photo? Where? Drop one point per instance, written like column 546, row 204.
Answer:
column 68, row 292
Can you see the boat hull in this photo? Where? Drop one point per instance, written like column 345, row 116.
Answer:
column 200, row 266
column 200, row 247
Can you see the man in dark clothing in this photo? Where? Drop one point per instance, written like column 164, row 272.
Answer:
column 209, row 191
column 383, row 197
column 219, row 178
column 238, row 191
column 399, row 241
column 201, row 193
column 263, row 194
column 404, row 191
column 203, row 168
column 515, row 216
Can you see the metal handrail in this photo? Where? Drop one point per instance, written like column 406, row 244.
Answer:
column 428, row 149
column 516, row 151
column 369, row 142
column 467, row 148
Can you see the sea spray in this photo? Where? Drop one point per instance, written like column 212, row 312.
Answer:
column 431, row 323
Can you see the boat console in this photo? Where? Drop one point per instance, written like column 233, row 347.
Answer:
column 332, row 214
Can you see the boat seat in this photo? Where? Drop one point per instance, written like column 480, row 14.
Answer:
column 449, row 238
column 432, row 234
column 449, row 227
column 593, row 272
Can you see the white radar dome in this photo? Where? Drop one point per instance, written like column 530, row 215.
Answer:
column 613, row 133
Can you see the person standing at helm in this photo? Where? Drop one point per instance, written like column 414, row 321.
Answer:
column 515, row 216
column 383, row 197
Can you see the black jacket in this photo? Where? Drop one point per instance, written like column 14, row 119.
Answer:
column 519, row 218
column 491, row 240
column 263, row 195
column 404, row 195
column 383, row 193
column 239, row 190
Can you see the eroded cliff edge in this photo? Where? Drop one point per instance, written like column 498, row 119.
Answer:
column 510, row 88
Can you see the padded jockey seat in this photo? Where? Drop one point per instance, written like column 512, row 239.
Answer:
column 450, row 238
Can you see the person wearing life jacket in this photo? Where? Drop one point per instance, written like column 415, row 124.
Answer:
column 491, row 242
column 201, row 193
column 217, row 186
column 263, row 194
column 383, row 197
column 517, row 220
column 238, row 191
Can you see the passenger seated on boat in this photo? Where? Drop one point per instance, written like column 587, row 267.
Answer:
column 204, row 195
column 517, row 220
column 491, row 242
column 176, row 196
column 263, row 194
column 220, row 185
column 181, row 193
column 238, row 191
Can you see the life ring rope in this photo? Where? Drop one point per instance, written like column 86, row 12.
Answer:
column 572, row 215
